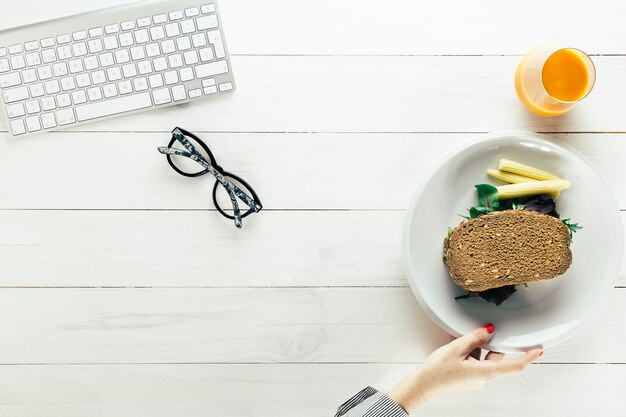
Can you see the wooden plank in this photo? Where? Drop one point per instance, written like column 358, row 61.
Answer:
column 289, row 171
column 282, row 390
column 145, row 248
column 250, row 325
column 402, row 27
column 381, row 94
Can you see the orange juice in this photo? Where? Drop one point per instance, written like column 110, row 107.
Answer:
column 550, row 80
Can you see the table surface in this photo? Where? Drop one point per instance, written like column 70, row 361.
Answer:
column 124, row 293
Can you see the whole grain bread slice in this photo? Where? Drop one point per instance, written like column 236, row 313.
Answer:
column 509, row 247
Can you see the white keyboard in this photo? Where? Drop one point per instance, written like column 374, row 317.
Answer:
column 144, row 55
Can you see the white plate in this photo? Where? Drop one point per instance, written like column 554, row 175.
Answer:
column 546, row 312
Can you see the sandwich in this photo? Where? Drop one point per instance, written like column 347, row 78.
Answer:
column 513, row 237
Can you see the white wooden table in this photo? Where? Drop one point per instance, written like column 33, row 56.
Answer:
column 123, row 292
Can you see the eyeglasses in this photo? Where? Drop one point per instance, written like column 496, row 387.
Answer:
column 234, row 186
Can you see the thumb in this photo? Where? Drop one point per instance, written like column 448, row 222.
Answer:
column 475, row 339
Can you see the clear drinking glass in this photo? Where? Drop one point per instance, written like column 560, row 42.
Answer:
column 549, row 79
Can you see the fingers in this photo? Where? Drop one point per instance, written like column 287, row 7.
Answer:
column 500, row 368
column 475, row 354
column 475, row 339
column 494, row 356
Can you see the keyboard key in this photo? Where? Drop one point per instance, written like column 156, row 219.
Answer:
column 160, row 18
column 94, row 93
column 126, row 39
column 141, row 36
column 29, row 75
column 175, row 60
column 215, row 39
column 4, row 65
column 95, row 32
column 191, row 57
column 207, row 8
column 140, row 83
column 183, row 43
column 157, row 33
column 79, row 97
column 52, row 87
column 63, row 100
column 33, row 59
column 47, row 42
column 192, row 11
column 64, row 52
column 160, row 64
column 122, row 56
column 175, row 15
column 79, row 49
column 91, row 62
column 195, row 93
column 17, row 127
column 168, row 46
column 79, row 36
column 210, row 69
column 207, row 22
column 110, row 42
column 15, row 94
column 109, row 90
column 68, row 83
column 59, row 69
column 48, row 55
column 178, row 92
column 117, row 105
column 65, row 117
column 226, row 86
column 187, row 26
column 83, row 80
column 207, row 82
column 106, row 59
column 172, row 29
column 48, row 121
column 33, row 123
column 44, row 72
column 129, row 70
column 129, row 25
column 206, row 54
column 186, row 74
column 161, row 96
column 114, row 73
column 198, row 40
column 111, row 28
column 155, row 80
column 95, row 46
column 171, row 77
column 61, row 39
column 76, row 65
column 18, row 62
column 15, row 49
column 10, row 79
column 152, row 49
column 37, row 90
column 125, row 87
column 3, row 51
column 210, row 90
column 32, row 106
column 137, row 53
column 98, row 77
column 144, row 21
column 145, row 67
column 15, row 110
column 48, row 103
column 31, row 46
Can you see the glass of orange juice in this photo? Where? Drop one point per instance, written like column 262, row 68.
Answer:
column 549, row 80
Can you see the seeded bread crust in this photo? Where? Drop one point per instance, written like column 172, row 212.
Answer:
column 509, row 247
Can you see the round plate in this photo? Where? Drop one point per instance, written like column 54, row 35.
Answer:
column 546, row 312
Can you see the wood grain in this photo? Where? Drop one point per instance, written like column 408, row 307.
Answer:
column 200, row 248
column 250, row 325
column 382, row 94
column 395, row 27
column 282, row 390
column 289, row 171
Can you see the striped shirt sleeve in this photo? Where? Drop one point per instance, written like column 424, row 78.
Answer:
column 370, row 403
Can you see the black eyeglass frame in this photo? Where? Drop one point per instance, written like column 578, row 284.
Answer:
column 211, row 166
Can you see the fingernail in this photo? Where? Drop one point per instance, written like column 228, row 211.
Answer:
column 489, row 327
column 540, row 353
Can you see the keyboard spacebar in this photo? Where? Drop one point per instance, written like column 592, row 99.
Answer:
column 113, row 106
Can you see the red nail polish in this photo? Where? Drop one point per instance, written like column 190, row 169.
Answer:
column 540, row 353
column 489, row 327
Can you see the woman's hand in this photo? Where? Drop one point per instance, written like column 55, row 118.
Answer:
column 457, row 367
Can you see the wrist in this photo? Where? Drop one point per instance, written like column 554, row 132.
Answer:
column 412, row 391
